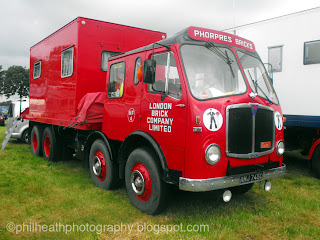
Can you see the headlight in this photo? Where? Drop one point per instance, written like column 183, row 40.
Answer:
column 213, row 154
column 280, row 148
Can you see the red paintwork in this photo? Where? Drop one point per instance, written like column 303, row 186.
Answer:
column 46, row 146
column 183, row 149
column 147, row 182
column 34, row 142
column 314, row 145
column 103, row 173
column 53, row 99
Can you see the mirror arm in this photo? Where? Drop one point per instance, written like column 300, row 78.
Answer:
column 167, row 47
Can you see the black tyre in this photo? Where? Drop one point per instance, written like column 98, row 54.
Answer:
column 50, row 147
column 242, row 189
column 145, row 188
column 36, row 136
column 25, row 136
column 315, row 162
column 104, row 173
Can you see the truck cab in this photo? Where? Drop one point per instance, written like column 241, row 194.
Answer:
column 206, row 102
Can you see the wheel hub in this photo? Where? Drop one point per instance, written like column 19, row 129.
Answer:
column 34, row 142
column 97, row 166
column 137, row 182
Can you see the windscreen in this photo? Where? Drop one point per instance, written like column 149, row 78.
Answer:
column 257, row 77
column 212, row 71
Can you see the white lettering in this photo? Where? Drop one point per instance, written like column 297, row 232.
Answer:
column 160, row 106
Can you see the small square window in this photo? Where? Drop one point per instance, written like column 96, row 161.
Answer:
column 37, row 70
column 116, row 80
column 311, row 52
column 104, row 59
column 67, row 62
column 275, row 58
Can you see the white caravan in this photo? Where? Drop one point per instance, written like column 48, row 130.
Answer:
column 291, row 43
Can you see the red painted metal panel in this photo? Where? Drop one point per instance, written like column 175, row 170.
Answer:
column 53, row 99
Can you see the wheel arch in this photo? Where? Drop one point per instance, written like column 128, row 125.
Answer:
column 135, row 140
column 93, row 136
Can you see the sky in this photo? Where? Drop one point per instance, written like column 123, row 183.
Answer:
column 26, row 22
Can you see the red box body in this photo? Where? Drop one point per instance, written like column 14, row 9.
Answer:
column 53, row 99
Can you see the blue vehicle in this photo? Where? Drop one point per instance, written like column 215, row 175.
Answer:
column 4, row 110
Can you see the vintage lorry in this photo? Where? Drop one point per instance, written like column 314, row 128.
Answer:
column 196, row 110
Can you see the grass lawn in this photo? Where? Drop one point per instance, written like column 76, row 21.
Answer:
column 35, row 194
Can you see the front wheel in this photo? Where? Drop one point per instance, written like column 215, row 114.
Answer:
column 145, row 188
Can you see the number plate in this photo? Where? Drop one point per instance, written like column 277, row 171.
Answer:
column 251, row 177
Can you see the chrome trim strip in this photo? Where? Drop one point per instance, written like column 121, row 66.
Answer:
column 252, row 154
column 203, row 185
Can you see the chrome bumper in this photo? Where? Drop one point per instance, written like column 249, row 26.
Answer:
column 203, row 185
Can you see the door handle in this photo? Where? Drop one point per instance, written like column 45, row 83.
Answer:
column 180, row 105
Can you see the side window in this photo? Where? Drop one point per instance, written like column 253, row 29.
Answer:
column 67, row 62
column 116, row 80
column 167, row 77
column 275, row 58
column 136, row 67
column 37, row 70
column 311, row 52
column 104, row 59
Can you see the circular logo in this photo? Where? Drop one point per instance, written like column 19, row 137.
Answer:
column 212, row 119
column 131, row 114
column 278, row 120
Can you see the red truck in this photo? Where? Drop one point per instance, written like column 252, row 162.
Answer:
column 196, row 110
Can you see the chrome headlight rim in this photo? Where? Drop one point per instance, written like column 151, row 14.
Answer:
column 282, row 146
column 209, row 161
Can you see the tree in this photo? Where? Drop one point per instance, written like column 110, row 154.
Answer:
column 1, row 80
column 16, row 81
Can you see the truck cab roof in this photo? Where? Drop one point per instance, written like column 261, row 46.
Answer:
column 192, row 34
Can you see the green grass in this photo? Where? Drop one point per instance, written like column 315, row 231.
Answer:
column 33, row 191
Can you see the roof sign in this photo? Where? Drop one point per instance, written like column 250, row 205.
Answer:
column 203, row 34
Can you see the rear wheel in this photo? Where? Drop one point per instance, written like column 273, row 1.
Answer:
column 103, row 172
column 36, row 135
column 315, row 162
column 145, row 188
column 50, row 147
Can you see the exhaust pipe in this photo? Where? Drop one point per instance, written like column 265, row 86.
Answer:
column 267, row 186
column 227, row 195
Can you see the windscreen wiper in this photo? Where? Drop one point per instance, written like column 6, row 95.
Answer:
column 222, row 55
column 256, row 86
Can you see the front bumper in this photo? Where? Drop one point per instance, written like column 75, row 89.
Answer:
column 203, row 185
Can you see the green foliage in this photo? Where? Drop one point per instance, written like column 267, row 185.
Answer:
column 1, row 79
column 34, row 191
column 6, row 103
column 16, row 81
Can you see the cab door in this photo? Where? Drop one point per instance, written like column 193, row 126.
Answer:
column 163, row 107
column 123, row 98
